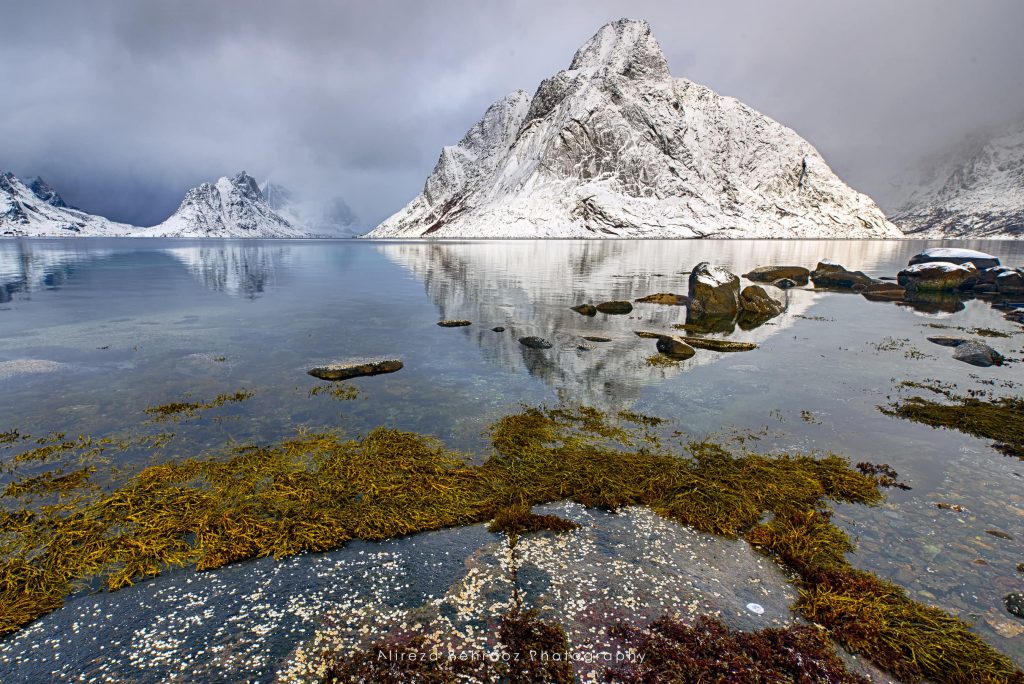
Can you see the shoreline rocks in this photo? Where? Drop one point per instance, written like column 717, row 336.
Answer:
column 714, row 291
column 756, row 302
column 936, row 276
column 830, row 274
column 355, row 369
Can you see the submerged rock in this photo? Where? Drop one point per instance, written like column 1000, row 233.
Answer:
column 28, row 366
column 1010, row 282
column 344, row 371
column 714, row 291
column 883, row 292
column 595, row 338
column 770, row 274
column 708, row 343
column 947, row 341
column 498, row 328
column 585, row 309
column 831, row 274
column 784, row 283
column 616, row 308
column 977, row 354
column 534, row 342
column 672, row 345
column 454, row 323
column 954, row 255
column 936, row 276
column 664, row 298
column 1015, row 604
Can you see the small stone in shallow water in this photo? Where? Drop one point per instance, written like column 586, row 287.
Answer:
column 534, row 342
column 978, row 354
column 454, row 324
column 755, row 608
column 498, row 328
column 947, row 341
column 1015, row 604
column 594, row 338
column 615, row 308
column 585, row 309
column 344, row 371
column 999, row 533
column 664, row 298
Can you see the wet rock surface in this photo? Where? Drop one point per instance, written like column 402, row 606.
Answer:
column 585, row 309
column 534, row 342
column 757, row 303
column 616, row 308
column 936, row 276
column 977, row 354
column 714, row 291
column 770, row 274
column 664, row 298
column 673, row 346
column 829, row 274
column 355, row 369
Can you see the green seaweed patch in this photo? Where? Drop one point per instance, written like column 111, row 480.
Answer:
column 999, row 419
column 662, row 361
column 317, row 491
column 51, row 482
column 670, row 650
column 178, row 410
column 338, row 391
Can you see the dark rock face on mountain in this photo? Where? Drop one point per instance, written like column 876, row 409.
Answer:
column 614, row 146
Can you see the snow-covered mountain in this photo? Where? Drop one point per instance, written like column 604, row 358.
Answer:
column 975, row 190
column 229, row 208
column 614, row 146
column 330, row 217
column 38, row 211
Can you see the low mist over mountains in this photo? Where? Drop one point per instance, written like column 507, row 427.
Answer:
column 975, row 190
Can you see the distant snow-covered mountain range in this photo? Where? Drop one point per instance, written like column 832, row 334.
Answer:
column 612, row 147
column 229, row 208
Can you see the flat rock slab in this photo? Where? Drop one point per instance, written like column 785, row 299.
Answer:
column 615, row 308
column 770, row 274
column 947, row 341
column 708, row 343
column 454, row 324
column 534, row 342
column 595, row 338
column 664, row 298
column 344, row 371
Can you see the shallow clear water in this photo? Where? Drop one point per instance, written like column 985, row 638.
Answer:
column 94, row 331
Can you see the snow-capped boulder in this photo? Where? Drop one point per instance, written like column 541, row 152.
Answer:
column 955, row 255
column 936, row 276
column 976, row 190
column 714, row 291
column 614, row 146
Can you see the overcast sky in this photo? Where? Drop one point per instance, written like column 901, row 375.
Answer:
column 125, row 104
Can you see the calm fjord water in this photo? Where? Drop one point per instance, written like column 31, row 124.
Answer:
column 94, row 331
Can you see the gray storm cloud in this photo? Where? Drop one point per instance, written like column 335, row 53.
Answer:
column 123, row 105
